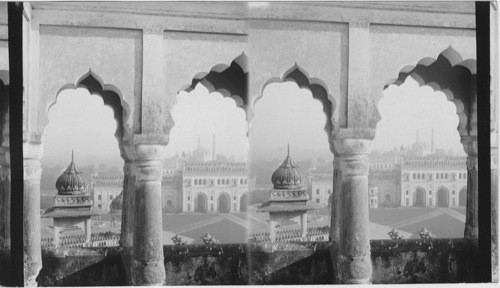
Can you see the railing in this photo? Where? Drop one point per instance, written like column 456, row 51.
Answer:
column 101, row 239
column 314, row 234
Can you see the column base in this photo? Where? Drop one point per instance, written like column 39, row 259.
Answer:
column 354, row 270
column 31, row 270
column 147, row 272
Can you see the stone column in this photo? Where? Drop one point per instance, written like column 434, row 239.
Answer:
column 4, row 198
column 147, row 250
column 353, row 260
column 31, row 213
column 471, row 223
column 57, row 236
column 337, row 189
column 88, row 230
column 272, row 230
column 303, row 219
column 127, row 228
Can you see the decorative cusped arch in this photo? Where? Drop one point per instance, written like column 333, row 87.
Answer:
column 317, row 87
column 453, row 76
column 111, row 97
column 231, row 81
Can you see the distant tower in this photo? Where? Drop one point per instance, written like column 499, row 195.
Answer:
column 72, row 204
column 199, row 142
column 417, row 137
column 289, row 199
column 432, row 141
column 213, row 148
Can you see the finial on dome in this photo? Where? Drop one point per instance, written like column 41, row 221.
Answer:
column 288, row 152
column 72, row 156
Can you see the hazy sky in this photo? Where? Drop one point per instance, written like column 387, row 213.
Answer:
column 406, row 108
column 199, row 113
column 285, row 114
column 80, row 121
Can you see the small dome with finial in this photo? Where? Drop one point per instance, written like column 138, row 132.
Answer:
column 288, row 175
column 117, row 204
column 72, row 181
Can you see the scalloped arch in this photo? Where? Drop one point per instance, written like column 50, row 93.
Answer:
column 111, row 97
column 450, row 74
column 318, row 90
column 231, row 81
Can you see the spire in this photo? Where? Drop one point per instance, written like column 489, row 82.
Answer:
column 417, row 137
column 72, row 156
column 288, row 150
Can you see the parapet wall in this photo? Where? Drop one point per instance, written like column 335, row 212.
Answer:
column 404, row 261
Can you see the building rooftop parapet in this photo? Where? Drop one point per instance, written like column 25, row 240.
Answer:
column 215, row 166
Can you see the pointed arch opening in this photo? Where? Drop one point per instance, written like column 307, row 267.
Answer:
column 443, row 197
column 317, row 88
column 453, row 76
column 89, row 118
column 224, row 203
column 110, row 95
column 419, row 197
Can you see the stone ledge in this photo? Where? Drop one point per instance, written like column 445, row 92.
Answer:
column 401, row 261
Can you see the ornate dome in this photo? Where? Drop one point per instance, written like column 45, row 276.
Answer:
column 72, row 181
column 288, row 175
column 117, row 204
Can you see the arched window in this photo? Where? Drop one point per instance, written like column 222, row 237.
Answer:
column 218, row 181
column 195, row 181
column 414, row 176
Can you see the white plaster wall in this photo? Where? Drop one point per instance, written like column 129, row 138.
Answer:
column 68, row 53
column 318, row 48
column 394, row 47
column 188, row 53
column 323, row 187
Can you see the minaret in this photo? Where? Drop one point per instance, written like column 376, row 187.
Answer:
column 432, row 141
column 213, row 148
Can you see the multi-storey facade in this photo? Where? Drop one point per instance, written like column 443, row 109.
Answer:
column 199, row 182
column 373, row 197
column 433, row 181
column 385, row 176
column 104, row 189
column 206, row 187
column 408, row 176
column 321, row 185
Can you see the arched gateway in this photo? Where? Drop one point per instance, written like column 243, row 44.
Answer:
column 200, row 203
column 224, row 203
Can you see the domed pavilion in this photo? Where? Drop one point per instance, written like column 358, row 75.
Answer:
column 288, row 200
column 115, row 211
column 73, row 206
